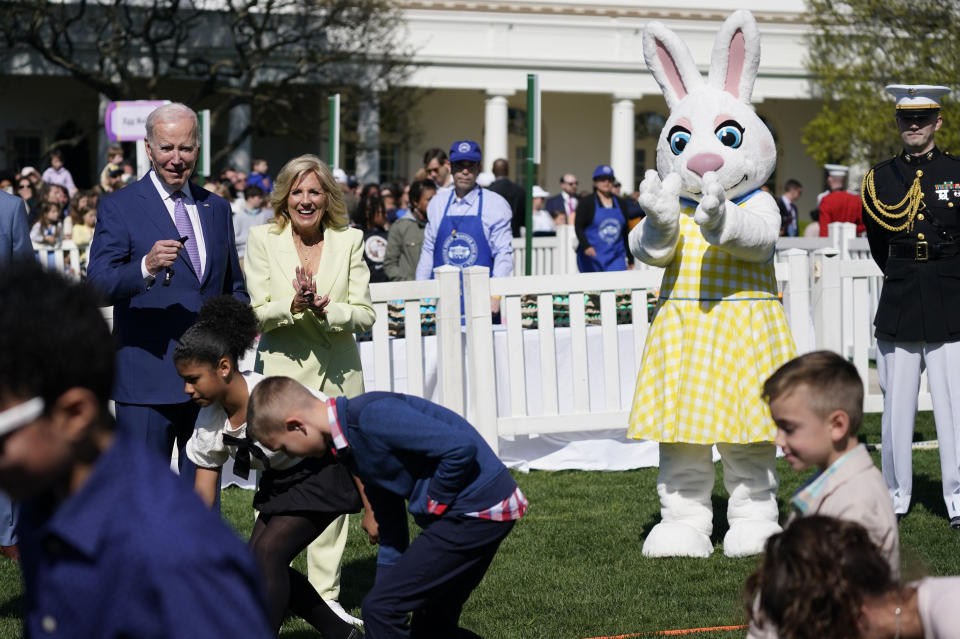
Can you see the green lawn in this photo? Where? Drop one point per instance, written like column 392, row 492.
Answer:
column 572, row 568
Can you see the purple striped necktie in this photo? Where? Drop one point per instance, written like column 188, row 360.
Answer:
column 182, row 219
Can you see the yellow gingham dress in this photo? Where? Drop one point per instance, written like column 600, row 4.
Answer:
column 719, row 332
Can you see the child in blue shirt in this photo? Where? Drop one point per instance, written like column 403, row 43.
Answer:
column 404, row 448
column 112, row 543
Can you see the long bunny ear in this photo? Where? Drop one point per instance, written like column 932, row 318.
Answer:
column 736, row 56
column 671, row 63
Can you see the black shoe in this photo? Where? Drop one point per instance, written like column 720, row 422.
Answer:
column 900, row 516
column 955, row 523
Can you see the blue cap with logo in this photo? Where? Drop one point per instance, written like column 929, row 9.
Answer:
column 464, row 150
column 604, row 170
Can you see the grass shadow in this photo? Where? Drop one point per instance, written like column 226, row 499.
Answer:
column 928, row 492
column 12, row 607
column 356, row 580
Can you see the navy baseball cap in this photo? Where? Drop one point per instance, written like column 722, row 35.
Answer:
column 604, row 170
column 465, row 150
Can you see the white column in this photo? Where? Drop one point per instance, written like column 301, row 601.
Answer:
column 495, row 128
column 368, row 138
column 622, row 142
column 238, row 123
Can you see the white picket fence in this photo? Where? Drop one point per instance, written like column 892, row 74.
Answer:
column 64, row 258
column 509, row 380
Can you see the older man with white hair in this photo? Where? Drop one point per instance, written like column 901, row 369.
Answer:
column 163, row 247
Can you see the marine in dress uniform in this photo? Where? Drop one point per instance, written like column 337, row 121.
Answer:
column 910, row 208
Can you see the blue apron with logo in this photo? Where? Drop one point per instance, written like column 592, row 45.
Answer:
column 605, row 235
column 461, row 241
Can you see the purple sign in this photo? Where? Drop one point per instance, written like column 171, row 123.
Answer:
column 126, row 121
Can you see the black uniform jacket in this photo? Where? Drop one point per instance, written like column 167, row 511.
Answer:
column 920, row 300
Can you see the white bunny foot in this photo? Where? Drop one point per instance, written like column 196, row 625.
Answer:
column 674, row 539
column 748, row 537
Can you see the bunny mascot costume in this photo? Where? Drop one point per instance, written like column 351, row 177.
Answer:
column 720, row 330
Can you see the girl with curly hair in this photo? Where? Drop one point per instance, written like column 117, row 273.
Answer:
column 297, row 498
column 824, row 577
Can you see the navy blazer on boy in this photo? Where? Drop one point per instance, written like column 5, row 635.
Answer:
column 407, row 448
column 149, row 317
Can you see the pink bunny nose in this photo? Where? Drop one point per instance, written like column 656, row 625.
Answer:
column 703, row 162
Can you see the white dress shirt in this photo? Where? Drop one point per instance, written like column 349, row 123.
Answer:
column 166, row 194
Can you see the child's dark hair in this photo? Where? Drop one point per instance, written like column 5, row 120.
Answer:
column 417, row 187
column 834, row 384
column 45, row 207
column 814, row 577
column 253, row 191
column 225, row 327
column 53, row 336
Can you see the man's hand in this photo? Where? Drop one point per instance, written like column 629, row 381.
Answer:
column 661, row 200
column 370, row 526
column 163, row 254
column 714, row 201
column 590, row 251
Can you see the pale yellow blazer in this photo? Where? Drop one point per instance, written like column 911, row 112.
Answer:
column 319, row 352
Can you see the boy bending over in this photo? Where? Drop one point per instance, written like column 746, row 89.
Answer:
column 404, row 448
column 817, row 403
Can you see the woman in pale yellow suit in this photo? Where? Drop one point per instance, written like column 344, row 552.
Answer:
column 309, row 286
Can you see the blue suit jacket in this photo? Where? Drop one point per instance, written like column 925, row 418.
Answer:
column 14, row 234
column 148, row 321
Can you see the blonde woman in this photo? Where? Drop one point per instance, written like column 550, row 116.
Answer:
column 309, row 286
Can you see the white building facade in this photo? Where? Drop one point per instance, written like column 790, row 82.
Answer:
column 599, row 103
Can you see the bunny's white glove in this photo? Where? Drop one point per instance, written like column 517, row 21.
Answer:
column 654, row 240
column 747, row 232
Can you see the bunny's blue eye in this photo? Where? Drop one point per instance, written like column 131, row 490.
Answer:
column 730, row 134
column 678, row 139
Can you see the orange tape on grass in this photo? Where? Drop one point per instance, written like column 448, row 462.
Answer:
column 686, row 631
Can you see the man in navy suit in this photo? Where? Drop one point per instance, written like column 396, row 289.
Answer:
column 566, row 200
column 156, row 282
column 15, row 245
column 14, row 232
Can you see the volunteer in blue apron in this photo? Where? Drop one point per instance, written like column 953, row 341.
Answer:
column 601, row 227
column 467, row 225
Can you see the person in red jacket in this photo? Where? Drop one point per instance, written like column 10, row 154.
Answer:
column 839, row 205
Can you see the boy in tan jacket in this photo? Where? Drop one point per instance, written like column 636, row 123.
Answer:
column 817, row 403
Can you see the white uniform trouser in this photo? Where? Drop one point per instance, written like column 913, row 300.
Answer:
column 899, row 365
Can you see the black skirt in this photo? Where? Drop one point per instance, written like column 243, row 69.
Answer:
column 318, row 485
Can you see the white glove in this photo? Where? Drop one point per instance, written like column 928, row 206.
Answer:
column 661, row 200
column 709, row 213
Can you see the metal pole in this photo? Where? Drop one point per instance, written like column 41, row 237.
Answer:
column 333, row 152
column 533, row 158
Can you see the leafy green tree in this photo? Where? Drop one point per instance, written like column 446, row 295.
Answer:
column 856, row 47
column 280, row 57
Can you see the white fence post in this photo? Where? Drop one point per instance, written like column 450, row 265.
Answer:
column 841, row 234
column 796, row 298
column 566, row 250
column 482, row 404
column 65, row 258
column 449, row 337
column 827, row 304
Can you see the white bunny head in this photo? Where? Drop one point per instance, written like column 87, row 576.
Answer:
column 712, row 126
